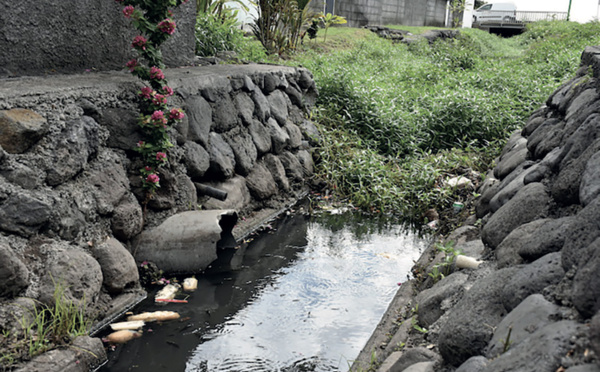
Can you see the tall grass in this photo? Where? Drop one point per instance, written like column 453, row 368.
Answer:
column 397, row 118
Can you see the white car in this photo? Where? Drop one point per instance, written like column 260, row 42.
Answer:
column 495, row 12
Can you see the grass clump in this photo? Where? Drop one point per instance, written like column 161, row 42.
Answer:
column 398, row 119
column 44, row 328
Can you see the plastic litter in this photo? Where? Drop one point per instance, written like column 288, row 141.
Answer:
column 122, row 336
column 137, row 324
column 190, row 284
column 168, row 292
column 154, row 316
column 466, row 262
column 457, row 207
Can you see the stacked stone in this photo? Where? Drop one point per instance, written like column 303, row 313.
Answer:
column 71, row 199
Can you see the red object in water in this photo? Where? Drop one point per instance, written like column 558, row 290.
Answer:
column 171, row 300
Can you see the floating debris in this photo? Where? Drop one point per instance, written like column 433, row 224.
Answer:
column 168, row 292
column 137, row 324
column 154, row 316
column 122, row 336
column 190, row 284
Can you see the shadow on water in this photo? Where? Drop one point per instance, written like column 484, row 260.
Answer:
column 303, row 296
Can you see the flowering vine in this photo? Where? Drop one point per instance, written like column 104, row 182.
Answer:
column 153, row 19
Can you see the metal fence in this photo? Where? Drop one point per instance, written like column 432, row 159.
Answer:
column 524, row 16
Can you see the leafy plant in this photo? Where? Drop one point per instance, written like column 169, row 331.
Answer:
column 214, row 34
column 281, row 23
column 440, row 270
column 330, row 20
column 153, row 20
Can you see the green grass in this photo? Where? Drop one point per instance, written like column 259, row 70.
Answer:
column 398, row 120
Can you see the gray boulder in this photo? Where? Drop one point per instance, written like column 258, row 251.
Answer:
column 532, row 314
column 127, row 220
column 532, row 278
column 507, row 252
column 589, row 188
column 293, row 167
column 548, row 238
column 566, row 186
column 21, row 175
column 584, row 230
column 225, row 117
column 509, row 189
column 24, row 214
column 279, row 138
column 243, row 148
column 122, row 127
column 196, row 160
column 540, row 352
column 20, row 129
column 185, row 242
column 532, row 125
column 294, row 133
column 222, row 158
column 278, row 102
column 530, row 203
column 306, row 160
column 260, row 182
column 262, row 109
column 76, row 144
column 245, row 107
column 13, row 273
column 469, row 324
column 545, row 138
column 85, row 354
column 260, row 136
column 277, row 170
column 582, row 138
column 199, row 114
column 473, row 364
column 109, row 185
column 586, row 284
column 434, row 302
column 119, row 270
column 73, row 270
column 511, row 161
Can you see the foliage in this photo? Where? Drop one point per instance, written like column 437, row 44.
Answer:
column 46, row 327
column 398, row 119
column 153, row 20
column 215, row 34
column 443, row 268
column 281, row 23
column 456, row 8
column 330, row 20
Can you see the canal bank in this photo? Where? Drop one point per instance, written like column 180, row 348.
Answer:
column 532, row 302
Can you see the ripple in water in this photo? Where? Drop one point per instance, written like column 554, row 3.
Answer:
column 316, row 314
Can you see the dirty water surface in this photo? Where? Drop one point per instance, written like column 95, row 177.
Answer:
column 303, row 295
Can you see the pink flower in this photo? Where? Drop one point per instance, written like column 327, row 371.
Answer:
column 146, row 92
column 152, row 178
column 168, row 91
column 140, row 143
column 156, row 73
column 176, row 114
column 167, row 26
column 158, row 118
column 159, row 99
column 128, row 11
column 131, row 65
column 148, row 169
column 161, row 156
column 139, row 42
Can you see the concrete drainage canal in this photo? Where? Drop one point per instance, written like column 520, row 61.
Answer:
column 304, row 294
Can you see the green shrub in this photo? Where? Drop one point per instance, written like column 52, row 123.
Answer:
column 398, row 118
column 213, row 35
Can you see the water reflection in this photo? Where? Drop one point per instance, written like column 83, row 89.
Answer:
column 304, row 297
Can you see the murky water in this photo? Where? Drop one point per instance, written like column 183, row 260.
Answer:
column 304, row 296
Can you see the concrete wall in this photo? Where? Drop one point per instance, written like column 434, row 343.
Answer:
column 71, row 36
column 387, row 12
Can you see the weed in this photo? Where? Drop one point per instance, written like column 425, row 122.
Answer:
column 442, row 269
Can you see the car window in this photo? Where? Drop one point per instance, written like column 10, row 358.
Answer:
column 486, row 7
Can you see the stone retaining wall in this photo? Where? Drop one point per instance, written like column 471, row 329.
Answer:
column 71, row 36
column 70, row 190
column 533, row 303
